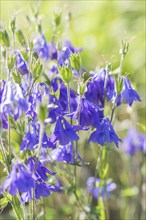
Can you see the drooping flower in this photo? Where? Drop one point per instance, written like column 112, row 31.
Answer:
column 41, row 47
column 52, row 51
column 13, row 101
column 90, row 114
column 63, row 132
column 128, row 94
column 19, row 179
column 134, row 142
column 64, row 54
column 41, row 170
column 98, row 188
column 104, row 133
column 21, row 64
column 31, row 139
column 100, row 87
column 65, row 154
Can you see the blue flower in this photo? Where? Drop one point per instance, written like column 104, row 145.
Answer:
column 52, row 51
column 65, row 154
column 90, row 114
column 134, row 142
column 21, row 64
column 64, row 132
column 128, row 94
column 31, row 139
column 99, row 87
column 41, row 47
column 19, row 179
column 41, row 171
column 98, row 188
column 64, row 54
column 13, row 101
column 104, row 133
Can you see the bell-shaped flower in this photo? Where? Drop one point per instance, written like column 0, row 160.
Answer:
column 63, row 132
column 65, row 154
column 41, row 47
column 128, row 94
column 13, row 101
column 104, row 133
column 21, row 64
column 31, row 139
column 134, row 142
column 100, row 87
column 99, row 188
column 41, row 171
column 90, row 114
column 19, row 179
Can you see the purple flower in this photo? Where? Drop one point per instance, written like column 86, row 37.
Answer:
column 99, row 188
column 41, row 171
column 12, row 101
column 64, row 54
column 65, row 154
column 31, row 139
column 41, row 47
column 104, row 133
column 64, row 132
column 52, row 51
column 21, row 64
column 134, row 142
column 128, row 95
column 19, row 179
column 90, row 114
column 100, row 86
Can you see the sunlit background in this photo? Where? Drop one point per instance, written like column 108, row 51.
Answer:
column 98, row 27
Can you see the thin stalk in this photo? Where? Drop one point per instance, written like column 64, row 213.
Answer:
column 9, row 138
column 14, row 41
column 36, row 164
column 4, row 156
column 68, row 98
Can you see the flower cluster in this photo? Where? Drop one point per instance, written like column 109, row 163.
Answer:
column 44, row 98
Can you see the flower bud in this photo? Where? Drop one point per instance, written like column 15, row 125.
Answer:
column 65, row 73
column 4, row 37
column 21, row 38
column 75, row 61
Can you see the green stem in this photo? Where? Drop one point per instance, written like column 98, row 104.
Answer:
column 68, row 98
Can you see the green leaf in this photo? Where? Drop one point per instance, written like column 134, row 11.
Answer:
column 16, row 76
column 101, row 208
column 4, row 37
column 21, row 38
column 129, row 192
column 11, row 61
column 3, row 203
column 76, row 62
column 13, row 25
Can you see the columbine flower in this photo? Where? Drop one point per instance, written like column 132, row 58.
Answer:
column 65, row 154
column 13, row 101
column 41, row 47
column 19, row 179
column 128, row 95
column 99, row 87
column 98, row 188
column 31, row 139
column 64, row 132
column 21, row 64
column 64, row 54
column 53, row 51
column 90, row 114
column 134, row 142
column 41, row 171
column 104, row 133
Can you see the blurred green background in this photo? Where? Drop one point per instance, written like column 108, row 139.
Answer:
column 98, row 27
